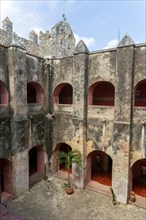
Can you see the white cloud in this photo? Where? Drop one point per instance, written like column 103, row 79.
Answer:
column 8, row 8
column 111, row 44
column 31, row 14
column 89, row 41
column 28, row 16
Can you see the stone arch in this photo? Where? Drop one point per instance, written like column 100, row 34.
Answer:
column 140, row 94
column 35, row 93
column 99, row 168
column 63, row 94
column 36, row 163
column 59, row 147
column 101, row 93
column 138, row 177
column 6, row 178
column 3, row 94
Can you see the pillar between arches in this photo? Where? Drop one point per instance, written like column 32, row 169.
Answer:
column 20, row 173
column 120, row 178
column 78, row 175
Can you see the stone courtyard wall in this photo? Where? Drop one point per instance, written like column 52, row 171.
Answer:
column 115, row 130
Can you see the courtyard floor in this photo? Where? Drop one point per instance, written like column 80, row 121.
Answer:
column 47, row 201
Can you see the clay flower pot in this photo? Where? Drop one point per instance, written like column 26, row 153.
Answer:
column 68, row 188
column 69, row 191
column 114, row 202
column 132, row 196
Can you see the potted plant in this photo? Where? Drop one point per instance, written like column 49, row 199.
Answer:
column 113, row 196
column 67, row 158
column 132, row 196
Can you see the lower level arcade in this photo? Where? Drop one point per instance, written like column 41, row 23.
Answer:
column 98, row 172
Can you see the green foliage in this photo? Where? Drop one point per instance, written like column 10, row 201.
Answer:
column 67, row 185
column 45, row 177
column 113, row 194
column 73, row 156
column 68, row 158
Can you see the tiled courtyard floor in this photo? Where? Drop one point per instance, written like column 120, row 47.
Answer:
column 48, row 201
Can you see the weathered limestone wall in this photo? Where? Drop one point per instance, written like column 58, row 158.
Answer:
column 4, row 66
column 21, row 127
column 108, row 128
column 34, row 70
column 8, row 39
column 63, row 128
column 63, row 71
column 59, row 43
column 17, row 82
column 117, row 130
column 69, row 127
column 80, row 79
column 20, row 173
column 5, row 38
column 122, row 122
column 36, row 130
column 138, row 145
column 19, row 124
column 139, row 63
column 5, row 139
column 101, row 67
column 5, row 123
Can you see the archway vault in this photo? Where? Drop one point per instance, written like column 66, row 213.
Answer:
column 59, row 171
column 36, row 163
column 140, row 94
column 6, row 179
column 63, row 94
column 99, row 168
column 101, row 93
column 138, row 177
column 35, row 93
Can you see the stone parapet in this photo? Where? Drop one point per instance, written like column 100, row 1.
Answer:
column 59, row 42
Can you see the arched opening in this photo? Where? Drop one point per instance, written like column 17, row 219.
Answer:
column 65, row 148
column 36, row 164
column 99, row 168
column 102, row 94
column 138, row 171
column 60, row 147
column 3, row 94
column 63, row 94
column 140, row 94
column 6, row 180
column 35, row 93
column 32, row 161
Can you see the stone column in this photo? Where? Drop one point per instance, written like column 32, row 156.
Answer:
column 19, row 123
column 49, row 116
column 80, row 64
column 20, row 173
column 122, row 118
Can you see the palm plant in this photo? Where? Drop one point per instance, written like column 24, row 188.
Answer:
column 67, row 158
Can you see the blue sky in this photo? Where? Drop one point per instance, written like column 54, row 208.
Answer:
column 96, row 22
